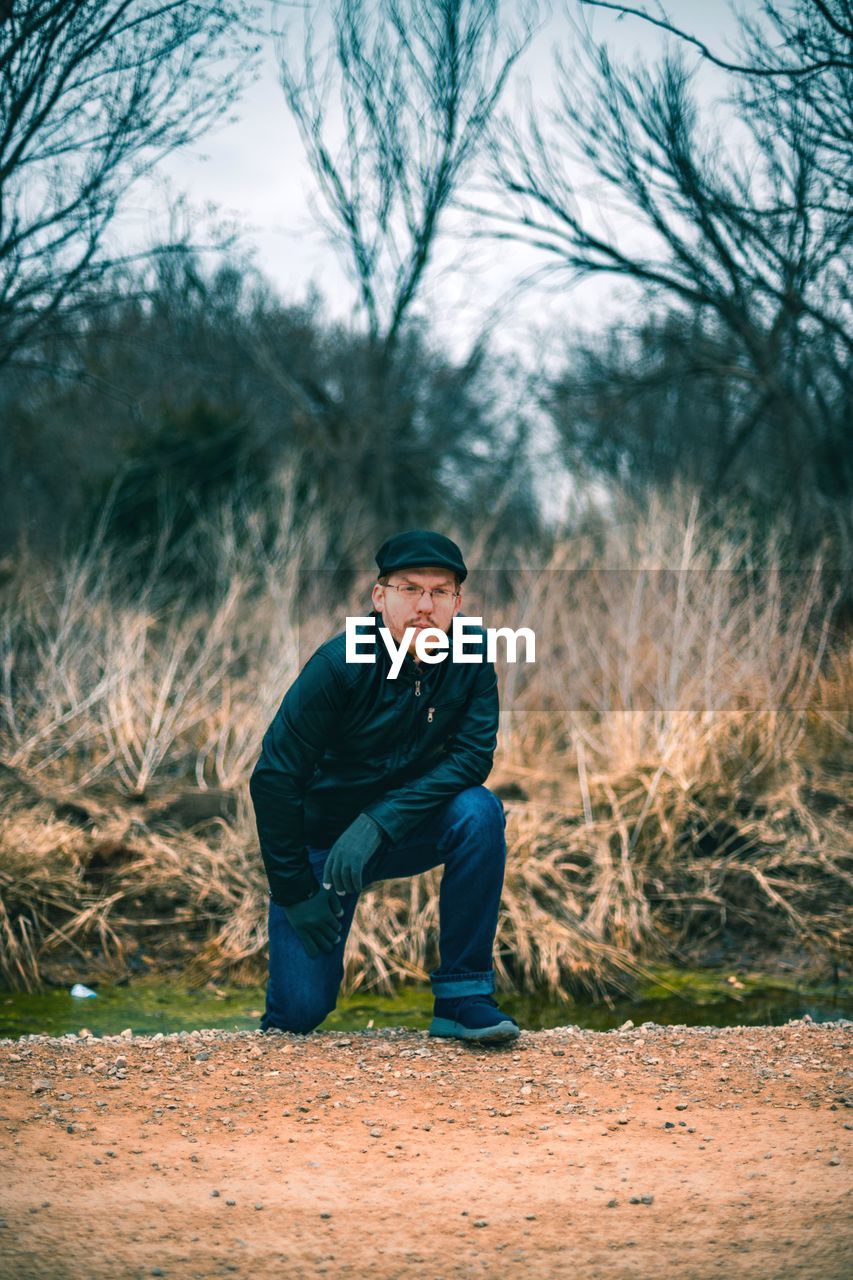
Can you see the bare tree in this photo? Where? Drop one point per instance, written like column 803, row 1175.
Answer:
column 93, row 93
column 810, row 37
column 393, row 100
column 755, row 241
column 391, row 125
column 801, row 52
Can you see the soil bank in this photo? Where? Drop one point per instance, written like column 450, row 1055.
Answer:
column 651, row 1152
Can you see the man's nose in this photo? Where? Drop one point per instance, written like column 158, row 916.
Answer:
column 425, row 603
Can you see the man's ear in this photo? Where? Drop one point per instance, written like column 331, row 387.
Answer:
column 377, row 597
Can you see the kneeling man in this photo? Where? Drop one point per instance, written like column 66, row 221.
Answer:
column 364, row 778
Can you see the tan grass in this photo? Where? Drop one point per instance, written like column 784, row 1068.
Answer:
column 684, row 744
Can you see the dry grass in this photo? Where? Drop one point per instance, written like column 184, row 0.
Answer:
column 678, row 757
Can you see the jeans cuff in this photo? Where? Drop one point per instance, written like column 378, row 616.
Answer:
column 449, row 985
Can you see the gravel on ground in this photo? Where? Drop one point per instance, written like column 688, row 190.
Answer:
column 677, row 1153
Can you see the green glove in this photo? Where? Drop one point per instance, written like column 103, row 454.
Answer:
column 344, row 869
column 315, row 921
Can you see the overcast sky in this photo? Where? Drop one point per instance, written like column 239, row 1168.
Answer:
column 254, row 170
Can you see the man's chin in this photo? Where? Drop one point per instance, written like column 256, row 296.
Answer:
column 430, row 644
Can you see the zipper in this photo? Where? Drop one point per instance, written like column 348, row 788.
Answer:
column 430, row 714
column 418, row 690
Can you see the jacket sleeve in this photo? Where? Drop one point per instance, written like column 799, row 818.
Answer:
column 292, row 746
column 467, row 763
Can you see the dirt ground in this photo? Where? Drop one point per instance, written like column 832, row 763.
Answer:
column 651, row 1152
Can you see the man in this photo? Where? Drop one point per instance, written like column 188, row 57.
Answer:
column 364, row 778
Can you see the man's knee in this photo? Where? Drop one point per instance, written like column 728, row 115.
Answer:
column 482, row 807
column 301, row 1018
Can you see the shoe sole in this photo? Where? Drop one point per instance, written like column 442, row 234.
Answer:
column 458, row 1031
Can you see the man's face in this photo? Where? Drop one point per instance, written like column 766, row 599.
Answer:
column 401, row 609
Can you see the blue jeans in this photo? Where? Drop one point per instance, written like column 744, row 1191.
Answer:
column 467, row 835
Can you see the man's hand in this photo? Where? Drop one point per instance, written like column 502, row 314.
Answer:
column 344, row 869
column 315, row 921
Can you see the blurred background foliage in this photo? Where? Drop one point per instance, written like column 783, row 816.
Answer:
column 196, row 471
column 139, row 389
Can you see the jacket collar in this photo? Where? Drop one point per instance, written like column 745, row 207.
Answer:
column 410, row 671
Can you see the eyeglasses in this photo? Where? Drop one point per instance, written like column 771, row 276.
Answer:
column 439, row 595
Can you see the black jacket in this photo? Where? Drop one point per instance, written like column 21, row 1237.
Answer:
column 346, row 740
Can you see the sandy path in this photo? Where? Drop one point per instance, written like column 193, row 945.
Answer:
column 391, row 1154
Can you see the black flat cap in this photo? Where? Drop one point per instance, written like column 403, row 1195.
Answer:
column 420, row 549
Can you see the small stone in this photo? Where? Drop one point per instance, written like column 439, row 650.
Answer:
column 481, row 1222
column 834, row 1160
column 681, row 1106
column 612, row 1204
column 215, row 1194
column 259, row 1206
column 647, row 1199
column 627, row 1026
column 42, row 1086
column 325, row 1215
column 232, row 1202
column 376, row 1133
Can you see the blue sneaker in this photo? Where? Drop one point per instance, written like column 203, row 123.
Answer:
column 472, row 1018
